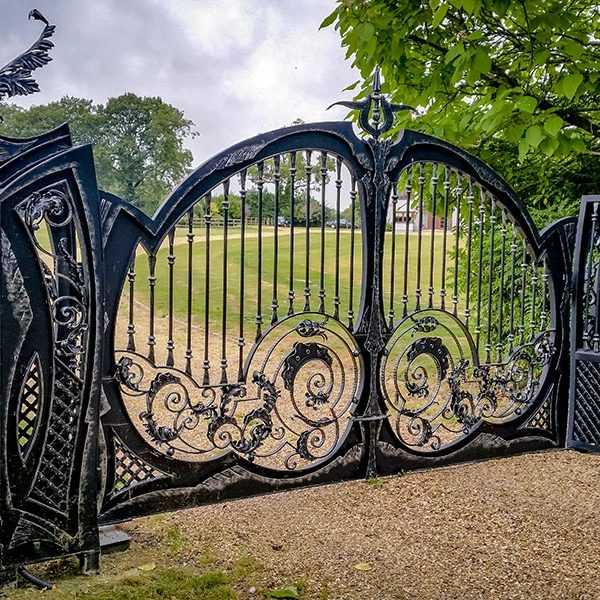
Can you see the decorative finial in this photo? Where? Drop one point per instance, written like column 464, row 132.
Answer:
column 15, row 77
column 373, row 107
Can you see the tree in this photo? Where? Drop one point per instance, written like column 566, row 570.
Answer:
column 519, row 76
column 138, row 142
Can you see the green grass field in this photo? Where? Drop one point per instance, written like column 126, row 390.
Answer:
column 251, row 273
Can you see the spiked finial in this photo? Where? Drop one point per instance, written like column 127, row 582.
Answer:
column 373, row 107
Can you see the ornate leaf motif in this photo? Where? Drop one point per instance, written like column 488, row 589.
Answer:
column 15, row 77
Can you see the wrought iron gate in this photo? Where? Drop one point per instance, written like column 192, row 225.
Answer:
column 584, row 409
column 214, row 355
column 432, row 330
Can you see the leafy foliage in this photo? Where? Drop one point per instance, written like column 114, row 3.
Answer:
column 507, row 78
column 138, row 142
column 525, row 70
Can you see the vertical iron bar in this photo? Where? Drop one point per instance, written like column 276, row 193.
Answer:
column 393, row 258
column 469, row 251
column 225, row 209
column 534, row 281
column 241, row 339
column 588, row 286
column 499, row 341
column 523, row 281
column 260, row 184
column 513, row 257
column 277, row 179
column 190, row 244
column 131, row 324
column 406, row 234
column 480, row 266
column 445, row 238
column 458, row 195
column 307, row 243
column 352, row 240
column 322, row 272
column 434, row 184
column 488, row 341
column 171, row 263
column 207, row 223
column 338, row 194
column 291, row 292
column 151, row 286
column 421, row 181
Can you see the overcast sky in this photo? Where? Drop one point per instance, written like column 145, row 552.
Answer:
column 235, row 67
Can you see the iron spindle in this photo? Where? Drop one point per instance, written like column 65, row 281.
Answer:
column 534, row 282
column 225, row 210
column 480, row 266
column 421, row 182
column 322, row 265
column 469, row 251
column 277, row 179
column 434, row 184
column 338, row 193
column 393, row 258
column 521, row 328
column 445, row 238
column 352, row 240
column 171, row 263
column 458, row 196
column 291, row 292
column 131, row 323
column 488, row 341
column 151, row 286
column 500, row 341
column 307, row 243
column 241, row 339
column 406, row 238
column 259, row 184
column 190, row 245
column 207, row 223
column 513, row 258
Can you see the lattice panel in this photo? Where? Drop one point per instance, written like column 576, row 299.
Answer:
column 586, row 418
column 29, row 406
column 52, row 484
column 542, row 419
column 130, row 469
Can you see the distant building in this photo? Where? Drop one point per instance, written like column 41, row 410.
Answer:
column 413, row 217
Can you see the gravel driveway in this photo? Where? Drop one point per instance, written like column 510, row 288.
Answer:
column 520, row 527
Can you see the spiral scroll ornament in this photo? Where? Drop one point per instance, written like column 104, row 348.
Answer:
column 438, row 393
column 292, row 412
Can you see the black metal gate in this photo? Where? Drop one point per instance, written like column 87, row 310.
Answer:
column 241, row 341
column 431, row 330
column 584, row 409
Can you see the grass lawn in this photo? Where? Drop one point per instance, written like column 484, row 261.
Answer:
column 251, row 273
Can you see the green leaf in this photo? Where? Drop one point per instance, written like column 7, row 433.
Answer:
column 328, row 20
column 454, row 52
column 549, row 146
column 553, row 125
column 289, row 592
column 439, row 15
column 526, row 104
column 482, row 63
column 366, row 31
column 534, row 135
column 568, row 85
column 470, row 5
column 523, row 148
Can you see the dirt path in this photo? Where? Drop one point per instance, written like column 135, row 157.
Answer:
column 523, row 527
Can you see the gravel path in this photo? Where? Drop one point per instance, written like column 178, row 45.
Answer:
column 521, row 527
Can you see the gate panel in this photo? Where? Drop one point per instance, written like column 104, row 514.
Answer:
column 584, row 405
column 235, row 362
column 51, row 295
column 472, row 297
